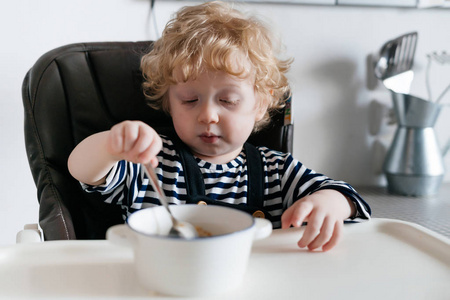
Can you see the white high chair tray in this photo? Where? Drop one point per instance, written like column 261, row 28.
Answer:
column 380, row 259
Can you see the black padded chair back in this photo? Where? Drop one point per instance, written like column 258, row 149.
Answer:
column 72, row 92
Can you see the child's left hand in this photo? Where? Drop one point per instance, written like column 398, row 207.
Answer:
column 324, row 211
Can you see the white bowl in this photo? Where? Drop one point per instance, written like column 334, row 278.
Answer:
column 199, row 267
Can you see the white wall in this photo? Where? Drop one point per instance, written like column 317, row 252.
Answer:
column 329, row 44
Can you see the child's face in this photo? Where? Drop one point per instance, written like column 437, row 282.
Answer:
column 215, row 114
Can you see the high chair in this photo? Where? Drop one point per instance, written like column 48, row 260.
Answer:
column 74, row 91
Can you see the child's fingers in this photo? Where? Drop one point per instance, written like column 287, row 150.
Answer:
column 286, row 218
column 296, row 214
column 315, row 223
column 130, row 134
column 337, row 234
column 143, row 143
column 134, row 141
column 122, row 137
column 140, row 146
column 154, row 161
column 149, row 153
column 115, row 140
column 325, row 234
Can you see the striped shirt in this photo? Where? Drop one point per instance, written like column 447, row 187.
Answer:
column 285, row 181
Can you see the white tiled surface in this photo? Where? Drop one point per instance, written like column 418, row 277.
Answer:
column 432, row 212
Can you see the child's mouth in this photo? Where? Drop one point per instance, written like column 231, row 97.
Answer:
column 209, row 138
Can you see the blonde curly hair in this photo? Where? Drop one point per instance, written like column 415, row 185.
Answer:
column 207, row 37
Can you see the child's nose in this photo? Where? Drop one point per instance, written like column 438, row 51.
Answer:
column 208, row 114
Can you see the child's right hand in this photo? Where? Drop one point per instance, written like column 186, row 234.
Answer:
column 93, row 158
column 134, row 141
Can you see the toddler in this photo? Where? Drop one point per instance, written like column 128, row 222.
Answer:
column 215, row 72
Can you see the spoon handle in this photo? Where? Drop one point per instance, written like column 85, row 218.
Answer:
column 179, row 229
column 150, row 172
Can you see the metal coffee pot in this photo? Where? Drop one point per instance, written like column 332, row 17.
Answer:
column 414, row 163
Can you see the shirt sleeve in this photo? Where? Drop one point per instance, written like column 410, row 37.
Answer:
column 121, row 184
column 113, row 179
column 300, row 181
column 126, row 184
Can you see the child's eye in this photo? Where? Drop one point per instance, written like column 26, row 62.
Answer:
column 190, row 101
column 229, row 102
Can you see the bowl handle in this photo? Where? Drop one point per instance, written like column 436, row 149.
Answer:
column 121, row 235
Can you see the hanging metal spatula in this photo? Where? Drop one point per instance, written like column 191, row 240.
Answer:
column 394, row 65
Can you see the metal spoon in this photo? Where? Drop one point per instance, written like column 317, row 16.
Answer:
column 179, row 228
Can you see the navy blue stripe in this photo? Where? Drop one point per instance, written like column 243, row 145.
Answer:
column 170, row 169
column 174, row 194
column 292, row 175
column 226, row 196
column 168, row 156
column 227, row 185
column 307, row 178
column 273, row 184
column 275, row 162
column 232, row 175
column 132, row 183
